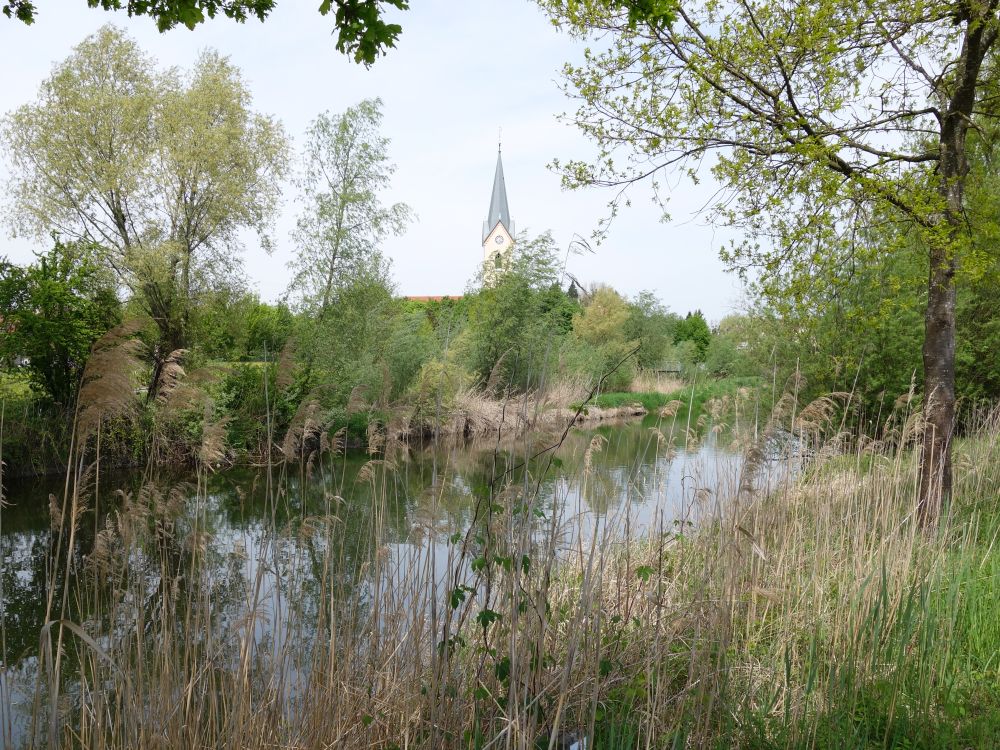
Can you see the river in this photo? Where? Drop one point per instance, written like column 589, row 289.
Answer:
column 263, row 537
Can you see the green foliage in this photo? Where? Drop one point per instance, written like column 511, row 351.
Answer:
column 863, row 333
column 721, row 356
column 51, row 312
column 558, row 308
column 692, row 397
column 651, row 402
column 515, row 321
column 250, row 400
column 412, row 343
column 433, row 391
column 361, row 29
column 163, row 170
column 229, row 325
column 341, row 280
column 720, row 81
column 602, row 321
column 761, row 91
column 694, row 328
column 339, row 233
column 685, row 354
column 727, row 350
column 977, row 359
column 652, row 326
column 348, row 346
column 602, row 326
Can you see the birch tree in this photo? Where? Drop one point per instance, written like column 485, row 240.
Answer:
column 814, row 116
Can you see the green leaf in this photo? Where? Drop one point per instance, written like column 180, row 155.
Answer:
column 487, row 617
column 502, row 669
column 644, row 572
column 457, row 597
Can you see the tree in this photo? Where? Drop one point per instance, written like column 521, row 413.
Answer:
column 349, row 346
column 515, row 318
column 602, row 321
column 232, row 324
column 165, row 171
column 694, row 328
column 361, row 29
column 602, row 325
column 817, row 116
column 725, row 354
column 652, row 325
column 346, row 166
column 52, row 311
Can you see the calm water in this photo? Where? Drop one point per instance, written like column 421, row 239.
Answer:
column 256, row 528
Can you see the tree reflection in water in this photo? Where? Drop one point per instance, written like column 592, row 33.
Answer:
column 257, row 577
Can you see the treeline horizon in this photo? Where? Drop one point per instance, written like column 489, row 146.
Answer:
column 150, row 231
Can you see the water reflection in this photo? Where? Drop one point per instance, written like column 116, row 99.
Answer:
column 273, row 550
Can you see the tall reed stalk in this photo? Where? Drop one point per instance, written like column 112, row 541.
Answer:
column 801, row 607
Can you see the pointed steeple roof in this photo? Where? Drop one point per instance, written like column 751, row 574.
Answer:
column 499, row 211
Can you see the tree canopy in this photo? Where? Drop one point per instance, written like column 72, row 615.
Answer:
column 52, row 311
column 362, row 30
column 817, row 118
column 339, row 232
column 162, row 170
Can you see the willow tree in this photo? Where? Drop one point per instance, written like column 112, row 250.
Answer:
column 339, row 269
column 164, row 170
column 812, row 114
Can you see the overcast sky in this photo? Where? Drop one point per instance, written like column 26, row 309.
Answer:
column 461, row 71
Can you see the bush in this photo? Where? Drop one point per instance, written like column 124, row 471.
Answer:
column 51, row 312
column 434, row 391
column 514, row 320
column 411, row 344
column 250, row 399
column 601, row 325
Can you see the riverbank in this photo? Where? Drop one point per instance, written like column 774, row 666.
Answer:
column 819, row 615
column 230, row 420
column 812, row 612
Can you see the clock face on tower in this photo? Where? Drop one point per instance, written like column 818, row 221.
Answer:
column 498, row 239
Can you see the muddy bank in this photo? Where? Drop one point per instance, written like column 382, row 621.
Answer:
column 480, row 417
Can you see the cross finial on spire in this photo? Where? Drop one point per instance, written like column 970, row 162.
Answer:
column 499, row 137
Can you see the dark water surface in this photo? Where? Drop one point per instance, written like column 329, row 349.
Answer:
column 255, row 527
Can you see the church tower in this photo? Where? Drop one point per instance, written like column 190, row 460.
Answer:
column 498, row 229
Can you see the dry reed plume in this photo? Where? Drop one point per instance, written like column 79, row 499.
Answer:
column 521, row 630
column 647, row 381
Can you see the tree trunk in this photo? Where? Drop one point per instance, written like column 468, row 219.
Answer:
column 939, row 332
column 161, row 301
column 939, row 386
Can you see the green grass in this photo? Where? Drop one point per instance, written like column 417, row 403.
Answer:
column 691, row 396
column 651, row 401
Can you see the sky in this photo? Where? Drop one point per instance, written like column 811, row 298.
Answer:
column 462, row 73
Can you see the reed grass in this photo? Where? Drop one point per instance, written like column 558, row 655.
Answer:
column 789, row 609
column 648, row 381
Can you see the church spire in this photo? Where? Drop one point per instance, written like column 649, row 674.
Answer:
column 499, row 211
